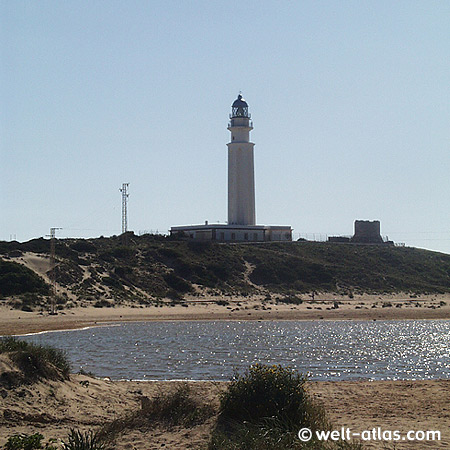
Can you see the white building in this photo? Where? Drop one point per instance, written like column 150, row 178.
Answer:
column 241, row 191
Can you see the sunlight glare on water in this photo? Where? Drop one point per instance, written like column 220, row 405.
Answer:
column 330, row 350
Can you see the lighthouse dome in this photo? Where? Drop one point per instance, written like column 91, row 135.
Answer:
column 239, row 108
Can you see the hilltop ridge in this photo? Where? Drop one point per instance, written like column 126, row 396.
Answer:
column 104, row 272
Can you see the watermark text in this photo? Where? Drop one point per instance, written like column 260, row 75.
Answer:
column 375, row 434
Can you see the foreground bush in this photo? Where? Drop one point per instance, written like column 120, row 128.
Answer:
column 27, row 442
column 76, row 440
column 175, row 408
column 36, row 361
column 178, row 407
column 83, row 441
column 264, row 409
column 270, row 393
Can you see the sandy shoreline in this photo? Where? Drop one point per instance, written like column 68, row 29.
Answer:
column 387, row 307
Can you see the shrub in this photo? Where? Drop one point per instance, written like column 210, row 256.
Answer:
column 27, row 442
column 123, row 271
column 122, row 252
column 222, row 303
column 103, row 303
column 112, row 282
column 174, row 295
column 177, row 407
column 36, row 361
column 269, row 392
column 83, row 246
column 265, row 408
column 177, row 283
column 39, row 245
column 291, row 299
column 168, row 252
column 200, row 246
column 83, row 441
column 17, row 279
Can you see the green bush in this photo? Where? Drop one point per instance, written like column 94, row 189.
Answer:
column 83, row 441
column 39, row 245
column 265, row 408
column 291, row 299
column 178, row 407
column 269, row 392
column 200, row 246
column 103, row 304
column 112, row 282
column 17, row 279
column 27, row 442
column 36, row 361
column 177, row 283
column 175, row 408
column 82, row 246
column 122, row 252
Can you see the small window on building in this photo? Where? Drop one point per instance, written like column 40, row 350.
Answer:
column 255, row 236
column 222, row 236
column 246, row 236
column 233, row 236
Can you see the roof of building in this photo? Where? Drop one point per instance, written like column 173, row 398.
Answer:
column 240, row 102
column 230, row 227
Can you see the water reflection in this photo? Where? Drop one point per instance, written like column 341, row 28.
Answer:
column 331, row 350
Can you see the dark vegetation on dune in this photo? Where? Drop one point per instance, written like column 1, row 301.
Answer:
column 17, row 279
column 105, row 272
column 34, row 362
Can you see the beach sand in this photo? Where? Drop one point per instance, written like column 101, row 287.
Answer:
column 323, row 307
column 53, row 408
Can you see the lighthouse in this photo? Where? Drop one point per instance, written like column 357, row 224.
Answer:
column 241, row 173
column 241, row 225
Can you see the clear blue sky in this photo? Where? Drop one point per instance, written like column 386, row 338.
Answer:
column 350, row 102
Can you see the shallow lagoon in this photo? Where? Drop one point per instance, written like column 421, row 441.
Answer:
column 212, row 350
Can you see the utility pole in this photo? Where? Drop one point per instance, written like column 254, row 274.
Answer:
column 53, row 268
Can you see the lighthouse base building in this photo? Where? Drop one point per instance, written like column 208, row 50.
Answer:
column 234, row 233
column 241, row 226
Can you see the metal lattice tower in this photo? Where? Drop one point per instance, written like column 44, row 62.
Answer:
column 125, row 196
column 53, row 266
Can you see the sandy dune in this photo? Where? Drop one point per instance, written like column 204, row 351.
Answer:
column 52, row 408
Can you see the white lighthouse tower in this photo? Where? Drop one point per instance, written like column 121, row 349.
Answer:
column 241, row 226
column 241, row 174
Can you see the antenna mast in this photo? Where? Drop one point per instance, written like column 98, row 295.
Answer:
column 53, row 267
column 125, row 195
